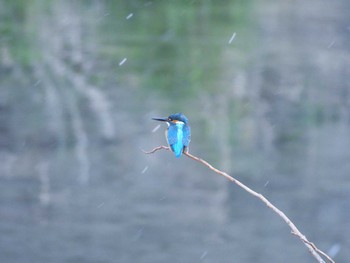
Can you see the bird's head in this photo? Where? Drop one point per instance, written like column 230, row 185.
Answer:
column 173, row 119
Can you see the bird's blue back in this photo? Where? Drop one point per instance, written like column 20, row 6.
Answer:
column 179, row 135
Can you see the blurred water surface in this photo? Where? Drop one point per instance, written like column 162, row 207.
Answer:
column 265, row 85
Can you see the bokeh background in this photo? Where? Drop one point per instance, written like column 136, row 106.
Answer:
column 265, row 85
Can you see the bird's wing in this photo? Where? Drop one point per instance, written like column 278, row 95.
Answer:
column 186, row 135
column 172, row 135
column 175, row 140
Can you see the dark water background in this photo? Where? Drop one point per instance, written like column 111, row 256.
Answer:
column 265, row 85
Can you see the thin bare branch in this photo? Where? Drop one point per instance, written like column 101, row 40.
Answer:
column 156, row 149
column 314, row 246
column 314, row 251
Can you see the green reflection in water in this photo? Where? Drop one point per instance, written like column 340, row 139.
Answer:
column 14, row 43
column 177, row 47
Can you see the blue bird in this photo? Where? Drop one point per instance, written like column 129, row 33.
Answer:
column 178, row 133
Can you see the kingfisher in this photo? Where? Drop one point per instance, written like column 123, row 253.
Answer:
column 178, row 133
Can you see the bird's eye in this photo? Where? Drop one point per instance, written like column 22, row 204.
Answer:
column 170, row 119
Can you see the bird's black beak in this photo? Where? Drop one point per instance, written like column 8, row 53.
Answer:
column 160, row 119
